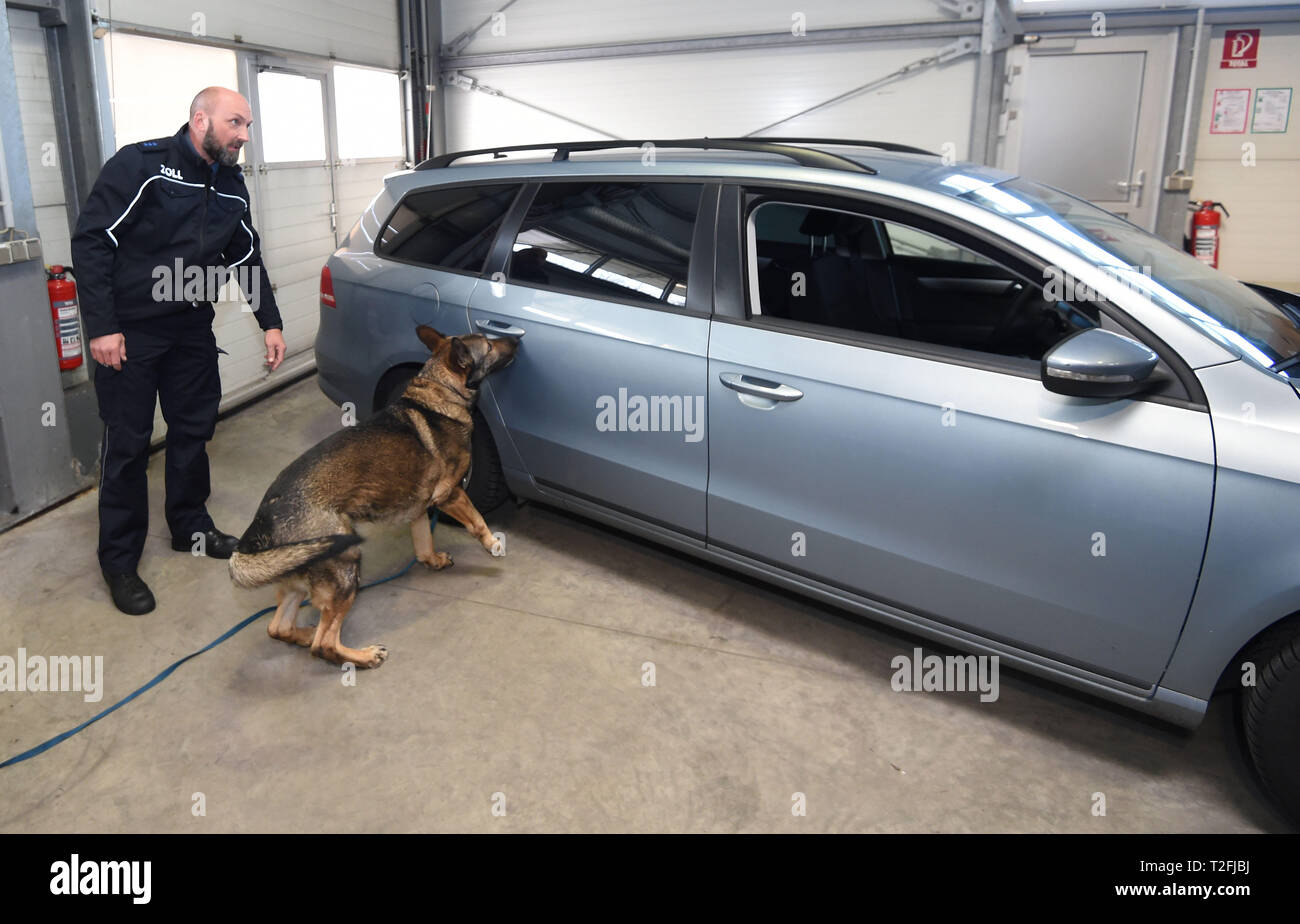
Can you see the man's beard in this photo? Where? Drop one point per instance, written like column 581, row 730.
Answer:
column 213, row 149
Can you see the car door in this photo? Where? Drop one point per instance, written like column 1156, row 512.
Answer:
column 434, row 245
column 605, row 398
column 940, row 479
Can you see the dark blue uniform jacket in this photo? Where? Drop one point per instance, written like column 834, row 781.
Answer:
column 157, row 202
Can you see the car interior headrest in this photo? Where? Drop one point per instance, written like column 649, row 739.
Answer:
column 820, row 223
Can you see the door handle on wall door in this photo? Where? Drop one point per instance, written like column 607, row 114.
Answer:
column 1134, row 187
column 759, row 387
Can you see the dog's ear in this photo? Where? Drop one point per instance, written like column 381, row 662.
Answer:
column 429, row 337
column 460, row 358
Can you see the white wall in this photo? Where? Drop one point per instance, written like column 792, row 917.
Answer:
column 716, row 93
column 1076, row 6
column 358, row 31
column 44, row 156
column 1261, row 241
column 720, row 94
column 533, row 24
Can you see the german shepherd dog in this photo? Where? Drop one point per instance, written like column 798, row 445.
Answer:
column 393, row 467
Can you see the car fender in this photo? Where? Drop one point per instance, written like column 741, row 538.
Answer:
column 1250, row 577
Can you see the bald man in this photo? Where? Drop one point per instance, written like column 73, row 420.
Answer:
column 165, row 226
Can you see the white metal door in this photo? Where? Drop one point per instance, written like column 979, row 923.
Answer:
column 368, row 137
column 291, row 165
column 1089, row 116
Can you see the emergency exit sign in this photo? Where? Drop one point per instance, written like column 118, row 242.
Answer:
column 1240, row 48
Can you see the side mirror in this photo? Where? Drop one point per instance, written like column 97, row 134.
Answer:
column 1096, row 363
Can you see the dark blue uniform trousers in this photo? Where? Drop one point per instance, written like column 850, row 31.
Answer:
column 175, row 359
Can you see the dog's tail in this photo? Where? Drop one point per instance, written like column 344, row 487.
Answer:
column 256, row 568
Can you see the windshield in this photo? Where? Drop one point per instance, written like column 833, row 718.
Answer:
column 1232, row 314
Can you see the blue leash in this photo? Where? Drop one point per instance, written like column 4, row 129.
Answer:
column 40, row 748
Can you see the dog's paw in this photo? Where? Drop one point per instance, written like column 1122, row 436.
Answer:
column 439, row 561
column 375, row 655
column 497, row 545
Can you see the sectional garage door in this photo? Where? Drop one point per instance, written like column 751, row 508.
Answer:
column 310, row 172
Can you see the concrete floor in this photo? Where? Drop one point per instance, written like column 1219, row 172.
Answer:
column 522, row 676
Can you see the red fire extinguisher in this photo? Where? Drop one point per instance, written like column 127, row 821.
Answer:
column 1204, row 242
column 67, row 323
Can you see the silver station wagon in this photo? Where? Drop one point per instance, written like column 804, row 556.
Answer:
column 948, row 398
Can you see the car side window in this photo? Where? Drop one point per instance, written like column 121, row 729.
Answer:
column 447, row 227
column 851, row 272
column 621, row 241
column 909, row 242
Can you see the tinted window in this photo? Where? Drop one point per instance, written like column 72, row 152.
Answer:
column 625, row 241
column 450, row 228
column 909, row 242
column 848, row 271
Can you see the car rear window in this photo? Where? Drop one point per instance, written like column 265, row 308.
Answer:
column 619, row 241
column 447, row 227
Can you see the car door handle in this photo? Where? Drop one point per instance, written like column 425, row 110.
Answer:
column 500, row 327
column 759, row 387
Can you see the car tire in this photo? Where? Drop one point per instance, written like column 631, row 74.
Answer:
column 392, row 384
column 485, row 483
column 1270, row 714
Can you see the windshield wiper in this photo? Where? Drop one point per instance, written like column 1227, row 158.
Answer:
column 1283, row 364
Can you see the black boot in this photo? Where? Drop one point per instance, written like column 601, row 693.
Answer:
column 130, row 594
column 216, row 544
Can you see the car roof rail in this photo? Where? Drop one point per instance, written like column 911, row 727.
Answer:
column 804, row 156
column 847, row 142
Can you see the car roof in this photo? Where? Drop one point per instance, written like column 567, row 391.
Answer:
column 923, row 171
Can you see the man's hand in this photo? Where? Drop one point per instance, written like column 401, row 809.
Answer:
column 110, row 350
column 274, row 348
